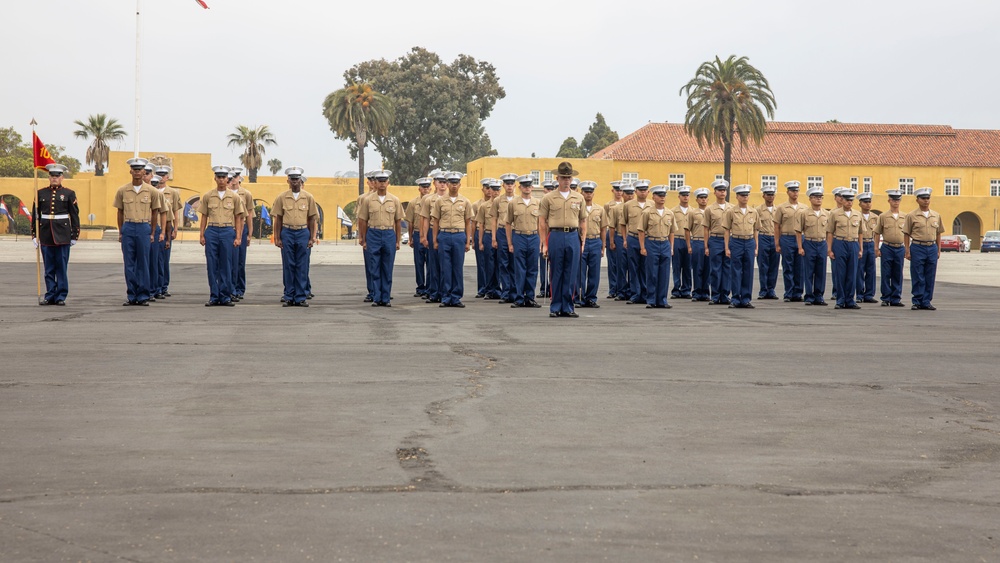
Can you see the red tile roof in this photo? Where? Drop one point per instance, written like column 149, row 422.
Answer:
column 861, row 144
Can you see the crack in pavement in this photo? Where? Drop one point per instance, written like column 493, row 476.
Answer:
column 69, row 542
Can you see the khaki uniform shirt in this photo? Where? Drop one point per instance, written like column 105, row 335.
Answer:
column 607, row 209
column 844, row 227
column 696, row 223
column 498, row 210
column 475, row 210
column 788, row 217
column 891, row 228
column 713, row 219
column 452, row 214
column 597, row 221
column 138, row 207
column 811, row 226
column 412, row 213
column 923, row 229
column 766, row 219
column 480, row 217
column 869, row 226
column 427, row 204
column 560, row 213
column 169, row 203
column 247, row 201
column 741, row 224
column 221, row 211
column 682, row 219
column 655, row 225
column 523, row 217
column 631, row 215
column 295, row 212
column 381, row 214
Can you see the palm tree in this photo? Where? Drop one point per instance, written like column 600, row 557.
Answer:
column 103, row 131
column 254, row 139
column 274, row 165
column 355, row 112
column 726, row 100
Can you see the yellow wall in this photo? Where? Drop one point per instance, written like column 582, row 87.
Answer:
column 974, row 201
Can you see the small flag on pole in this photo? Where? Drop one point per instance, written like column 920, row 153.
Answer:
column 190, row 213
column 42, row 156
column 265, row 216
column 202, row 4
column 24, row 210
column 3, row 209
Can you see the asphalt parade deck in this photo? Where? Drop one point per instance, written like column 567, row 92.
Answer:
column 344, row 432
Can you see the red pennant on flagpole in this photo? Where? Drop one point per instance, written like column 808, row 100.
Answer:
column 202, row 3
column 42, row 156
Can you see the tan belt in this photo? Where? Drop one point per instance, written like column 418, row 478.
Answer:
column 698, row 238
column 923, row 242
column 659, row 239
column 295, row 227
column 845, row 239
column 451, row 230
column 132, row 221
column 741, row 237
column 593, row 237
column 526, row 233
column 220, row 225
column 814, row 239
column 382, row 228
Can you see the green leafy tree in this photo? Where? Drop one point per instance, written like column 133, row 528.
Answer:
column 274, row 165
column 357, row 112
column 440, row 108
column 569, row 149
column 728, row 100
column 254, row 141
column 598, row 136
column 17, row 159
column 102, row 131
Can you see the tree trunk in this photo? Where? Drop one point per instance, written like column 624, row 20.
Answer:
column 253, row 175
column 361, row 137
column 98, row 170
column 727, row 157
column 361, row 171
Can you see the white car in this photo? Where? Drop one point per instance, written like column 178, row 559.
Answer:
column 966, row 243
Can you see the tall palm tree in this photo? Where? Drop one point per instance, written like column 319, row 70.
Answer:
column 255, row 139
column 357, row 112
column 274, row 165
column 102, row 130
column 728, row 100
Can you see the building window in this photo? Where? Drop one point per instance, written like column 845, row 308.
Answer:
column 536, row 174
column 952, row 186
column 994, row 188
column 630, row 176
column 548, row 176
column 867, row 184
column 906, row 186
column 769, row 182
column 676, row 181
column 814, row 182
column 720, row 177
column 854, row 183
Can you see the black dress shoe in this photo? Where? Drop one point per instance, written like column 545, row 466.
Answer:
column 734, row 306
column 460, row 305
column 283, row 300
column 593, row 305
column 726, row 302
column 571, row 314
column 283, row 304
column 301, row 304
column 444, row 305
column 821, row 303
column 368, row 300
column 896, row 305
column 516, row 305
column 143, row 303
column 435, row 300
column 166, row 294
column 60, row 302
column 854, row 306
column 749, row 306
column 213, row 304
column 621, row 298
column 506, row 301
column 650, row 306
column 532, row 304
column 490, row 297
column 807, row 303
column 611, row 296
column 540, row 296
column 480, row 295
column 695, row 300
column 47, row 302
column 869, row 300
column 631, row 302
column 885, row 303
column 928, row 308
column 796, row 299
column 553, row 315
column 788, row 300
column 838, row 306
column 915, row 308
column 227, row 304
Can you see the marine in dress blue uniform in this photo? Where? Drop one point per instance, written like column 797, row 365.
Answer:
column 922, row 239
column 889, row 249
column 138, row 206
column 55, row 227
column 295, row 223
column 562, row 224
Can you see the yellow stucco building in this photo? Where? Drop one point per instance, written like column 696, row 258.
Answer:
column 962, row 166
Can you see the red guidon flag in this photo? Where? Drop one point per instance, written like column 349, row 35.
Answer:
column 42, row 156
column 202, row 3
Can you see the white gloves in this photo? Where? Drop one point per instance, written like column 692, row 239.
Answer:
column 72, row 243
column 34, row 241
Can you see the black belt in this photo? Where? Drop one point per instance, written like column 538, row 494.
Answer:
column 715, row 236
column 451, row 230
column 741, row 237
column 922, row 242
column 565, row 229
column 893, row 244
column 517, row 232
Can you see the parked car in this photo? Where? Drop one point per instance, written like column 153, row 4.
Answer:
column 966, row 243
column 991, row 242
column 951, row 243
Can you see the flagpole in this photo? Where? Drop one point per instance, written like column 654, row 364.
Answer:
column 138, row 24
column 31, row 219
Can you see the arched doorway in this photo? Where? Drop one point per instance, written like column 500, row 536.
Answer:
column 319, row 225
column 190, row 212
column 968, row 224
column 15, row 215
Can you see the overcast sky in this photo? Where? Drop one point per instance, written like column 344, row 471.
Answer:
column 273, row 61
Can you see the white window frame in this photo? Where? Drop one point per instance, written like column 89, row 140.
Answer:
column 814, row 182
column 769, row 182
column 854, row 183
column 952, row 186
column 536, row 175
column 995, row 187
column 676, row 181
column 906, row 185
column 548, row 176
column 866, row 184
column 630, row 176
column 720, row 177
